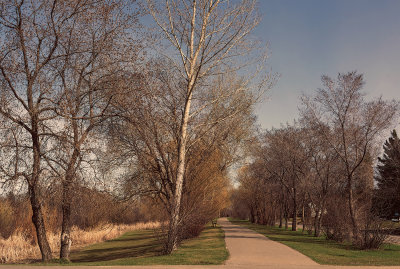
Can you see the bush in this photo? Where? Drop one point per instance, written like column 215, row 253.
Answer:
column 192, row 226
column 336, row 224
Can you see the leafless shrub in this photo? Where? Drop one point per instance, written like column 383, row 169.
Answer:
column 373, row 235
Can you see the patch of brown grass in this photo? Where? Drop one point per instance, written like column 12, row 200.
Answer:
column 18, row 248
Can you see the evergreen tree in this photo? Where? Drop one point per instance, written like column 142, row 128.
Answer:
column 387, row 199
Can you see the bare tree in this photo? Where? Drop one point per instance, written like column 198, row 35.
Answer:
column 287, row 159
column 323, row 177
column 350, row 125
column 98, row 48
column 30, row 40
column 206, row 38
column 57, row 59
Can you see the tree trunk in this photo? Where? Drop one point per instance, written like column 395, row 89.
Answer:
column 37, row 214
column 319, row 216
column 273, row 222
column 303, row 218
column 257, row 214
column 172, row 240
column 317, row 224
column 280, row 217
column 70, row 174
column 294, row 221
column 286, row 218
column 252, row 218
column 38, row 221
column 286, row 222
column 65, row 240
column 351, row 210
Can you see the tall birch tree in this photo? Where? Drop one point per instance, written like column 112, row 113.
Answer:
column 205, row 38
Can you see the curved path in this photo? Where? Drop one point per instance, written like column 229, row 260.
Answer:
column 248, row 249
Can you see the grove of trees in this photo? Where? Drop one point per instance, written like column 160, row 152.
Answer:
column 89, row 102
column 321, row 167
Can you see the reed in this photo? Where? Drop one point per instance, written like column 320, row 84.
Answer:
column 18, row 248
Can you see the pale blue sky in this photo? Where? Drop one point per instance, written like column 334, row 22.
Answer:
column 309, row 38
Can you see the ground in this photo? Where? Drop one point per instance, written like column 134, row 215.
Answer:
column 247, row 248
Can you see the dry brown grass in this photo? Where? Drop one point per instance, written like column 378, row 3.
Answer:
column 18, row 248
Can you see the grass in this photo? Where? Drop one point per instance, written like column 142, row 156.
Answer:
column 325, row 251
column 144, row 248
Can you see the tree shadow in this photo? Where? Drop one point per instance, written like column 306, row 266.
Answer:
column 127, row 246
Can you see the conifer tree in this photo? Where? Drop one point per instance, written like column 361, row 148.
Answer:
column 388, row 178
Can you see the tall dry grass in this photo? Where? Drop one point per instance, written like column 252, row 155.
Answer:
column 18, row 248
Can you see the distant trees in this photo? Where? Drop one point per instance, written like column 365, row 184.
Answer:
column 272, row 185
column 287, row 163
column 252, row 194
column 387, row 195
column 325, row 162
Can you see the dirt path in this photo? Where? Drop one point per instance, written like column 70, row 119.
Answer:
column 248, row 250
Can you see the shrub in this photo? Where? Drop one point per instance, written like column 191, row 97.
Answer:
column 372, row 236
column 192, row 226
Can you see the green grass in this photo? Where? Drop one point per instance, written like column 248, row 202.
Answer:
column 390, row 224
column 143, row 248
column 325, row 251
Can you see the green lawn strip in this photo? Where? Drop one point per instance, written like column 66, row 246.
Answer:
column 143, row 248
column 326, row 251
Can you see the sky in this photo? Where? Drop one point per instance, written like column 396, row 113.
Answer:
column 310, row 38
